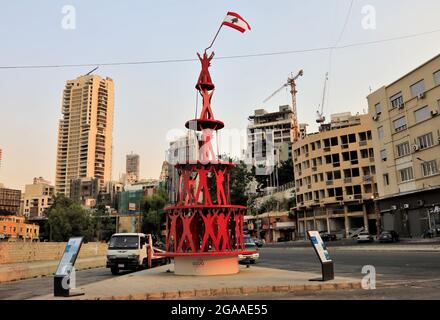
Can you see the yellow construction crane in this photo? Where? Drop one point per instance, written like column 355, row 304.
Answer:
column 320, row 118
column 291, row 81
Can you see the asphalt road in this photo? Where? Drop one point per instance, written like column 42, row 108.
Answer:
column 25, row 289
column 391, row 266
column 409, row 275
column 399, row 275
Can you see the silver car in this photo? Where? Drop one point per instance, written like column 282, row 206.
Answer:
column 365, row 237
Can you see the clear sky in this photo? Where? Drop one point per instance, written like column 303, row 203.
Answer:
column 152, row 99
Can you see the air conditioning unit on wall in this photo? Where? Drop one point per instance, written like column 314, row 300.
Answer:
column 421, row 96
column 416, row 147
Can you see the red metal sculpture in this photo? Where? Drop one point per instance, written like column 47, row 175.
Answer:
column 203, row 223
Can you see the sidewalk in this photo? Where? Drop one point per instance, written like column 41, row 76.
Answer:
column 157, row 283
column 20, row 271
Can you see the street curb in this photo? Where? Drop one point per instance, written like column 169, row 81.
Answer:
column 235, row 291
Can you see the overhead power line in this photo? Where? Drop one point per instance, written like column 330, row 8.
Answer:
column 263, row 54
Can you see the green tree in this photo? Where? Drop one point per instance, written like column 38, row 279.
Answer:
column 103, row 226
column 67, row 219
column 285, row 172
column 239, row 179
column 153, row 214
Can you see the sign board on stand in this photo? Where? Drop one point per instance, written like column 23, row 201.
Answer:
column 323, row 255
column 65, row 270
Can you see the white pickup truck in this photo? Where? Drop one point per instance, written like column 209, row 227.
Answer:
column 129, row 251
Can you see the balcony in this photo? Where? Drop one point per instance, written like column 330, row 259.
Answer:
column 367, row 178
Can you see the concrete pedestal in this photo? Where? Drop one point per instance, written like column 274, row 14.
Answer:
column 205, row 265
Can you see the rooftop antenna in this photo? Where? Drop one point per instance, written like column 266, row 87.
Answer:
column 91, row 71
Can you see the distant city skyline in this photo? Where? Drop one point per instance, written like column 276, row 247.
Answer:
column 151, row 100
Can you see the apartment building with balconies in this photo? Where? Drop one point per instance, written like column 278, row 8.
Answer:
column 335, row 177
column 406, row 134
column 85, row 132
column 37, row 198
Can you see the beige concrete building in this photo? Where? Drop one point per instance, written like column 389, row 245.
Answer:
column 335, row 177
column 10, row 200
column 37, row 198
column 271, row 130
column 406, row 134
column 85, row 132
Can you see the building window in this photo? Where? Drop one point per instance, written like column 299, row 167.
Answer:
column 429, row 168
column 386, row 179
column 378, row 109
column 426, row 141
column 437, row 78
column 383, row 155
column 381, row 132
column 399, row 124
column 406, row 174
column 403, row 149
column 417, row 88
column 396, row 100
column 422, row 114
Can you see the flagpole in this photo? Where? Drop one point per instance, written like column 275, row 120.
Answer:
column 215, row 37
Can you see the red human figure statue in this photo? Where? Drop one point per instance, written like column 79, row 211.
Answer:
column 186, row 188
column 205, row 81
column 220, row 179
column 208, row 221
column 172, row 234
column 239, row 238
column 223, row 228
column 206, row 150
column 183, row 182
column 199, row 228
column 203, row 186
column 190, row 198
column 187, row 234
column 206, row 113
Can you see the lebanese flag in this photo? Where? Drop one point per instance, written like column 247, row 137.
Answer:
column 234, row 20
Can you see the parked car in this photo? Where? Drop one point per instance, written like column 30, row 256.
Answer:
column 430, row 233
column 326, row 237
column 249, row 257
column 389, row 236
column 365, row 237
